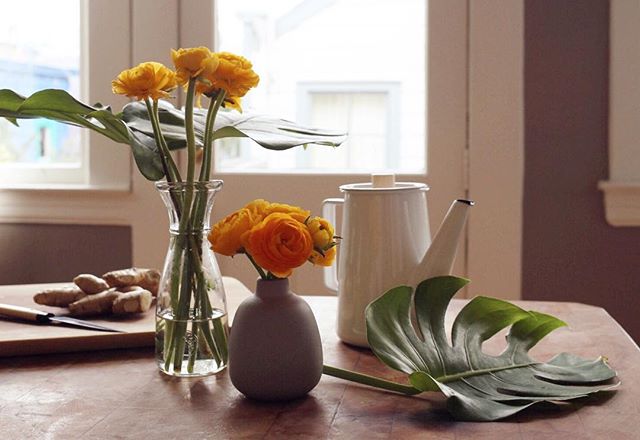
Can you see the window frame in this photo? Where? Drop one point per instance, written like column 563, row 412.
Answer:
column 131, row 200
column 104, row 166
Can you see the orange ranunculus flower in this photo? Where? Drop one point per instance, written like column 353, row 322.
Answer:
column 226, row 235
column 234, row 75
column 323, row 260
column 193, row 62
column 146, row 80
column 321, row 232
column 279, row 243
column 296, row 212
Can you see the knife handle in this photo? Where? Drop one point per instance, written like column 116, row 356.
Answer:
column 24, row 313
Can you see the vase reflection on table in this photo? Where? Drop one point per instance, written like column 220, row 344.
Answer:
column 191, row 313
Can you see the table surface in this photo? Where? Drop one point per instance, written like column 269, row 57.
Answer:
column 121, row 394
column 25, row 338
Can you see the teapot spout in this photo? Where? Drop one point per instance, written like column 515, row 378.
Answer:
column 439, row 258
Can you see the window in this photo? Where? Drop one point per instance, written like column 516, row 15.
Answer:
column 32, row 58
column 326, row 63
column 78, row 46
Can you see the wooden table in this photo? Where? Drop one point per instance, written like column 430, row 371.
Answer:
column 121, row 394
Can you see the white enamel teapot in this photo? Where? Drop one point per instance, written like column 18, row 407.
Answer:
column 386, row 242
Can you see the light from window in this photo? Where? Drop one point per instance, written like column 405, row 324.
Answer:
column 352, row 65
column 40, row 48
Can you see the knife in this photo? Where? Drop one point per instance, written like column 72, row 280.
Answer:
column 33, row 315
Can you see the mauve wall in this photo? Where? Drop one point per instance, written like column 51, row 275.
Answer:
column 36, row 253
column 570, row 253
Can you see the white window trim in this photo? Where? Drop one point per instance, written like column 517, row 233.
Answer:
column 622, row 190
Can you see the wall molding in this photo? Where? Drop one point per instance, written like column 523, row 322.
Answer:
column 621, row 202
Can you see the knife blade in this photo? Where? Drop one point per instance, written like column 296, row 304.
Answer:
column 34, row 315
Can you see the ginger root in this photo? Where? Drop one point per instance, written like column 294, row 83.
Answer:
column 124, row 291
column 136, row 301
column 90, row 284
column 148, row 279
column 59, row 297
column 97, row 304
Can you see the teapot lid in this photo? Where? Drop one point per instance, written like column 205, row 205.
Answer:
column 384, row 183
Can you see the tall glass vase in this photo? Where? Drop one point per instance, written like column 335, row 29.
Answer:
column 191, row 312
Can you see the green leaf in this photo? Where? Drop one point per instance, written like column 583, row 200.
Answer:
column 268, row 132
column 133, row 127
column 478, row 386
column 60, row 106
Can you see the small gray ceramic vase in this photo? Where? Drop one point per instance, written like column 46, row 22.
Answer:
column 275, row 352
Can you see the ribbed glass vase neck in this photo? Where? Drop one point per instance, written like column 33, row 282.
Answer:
column 189, row 205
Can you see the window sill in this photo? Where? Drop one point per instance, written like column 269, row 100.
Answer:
column 66, row 187
column 621, row 202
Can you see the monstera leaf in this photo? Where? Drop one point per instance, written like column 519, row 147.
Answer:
column 132, row 126
column 268, row 132
column 478, row 386
column 60, row 106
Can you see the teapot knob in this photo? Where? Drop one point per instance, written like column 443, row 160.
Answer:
column 383, row 180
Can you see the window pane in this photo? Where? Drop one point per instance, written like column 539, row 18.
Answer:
column 40, row 48
column 353, row 65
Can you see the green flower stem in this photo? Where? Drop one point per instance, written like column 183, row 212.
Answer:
column 263, row 275
column 369, row 380
column 181, row 286
column 188, row 125
column 205, row 169
column 182, row 314
column 214, row 106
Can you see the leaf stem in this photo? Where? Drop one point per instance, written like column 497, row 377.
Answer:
column 168, row 165
column 365, row 379
column 458, row 376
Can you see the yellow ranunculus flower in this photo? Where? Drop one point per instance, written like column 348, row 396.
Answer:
column 146, row 80
column 279, row 243
column 258, row 207
column 233, row 102
column 226, row 235
column 234, row 75
column 321, row 232
column 262, row 208
column 193, row 62
column 326, row 260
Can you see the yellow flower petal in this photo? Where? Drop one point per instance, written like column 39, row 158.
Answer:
column 146, row 80
column 193, row 62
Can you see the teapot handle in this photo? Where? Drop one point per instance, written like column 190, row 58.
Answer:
column 331, row 272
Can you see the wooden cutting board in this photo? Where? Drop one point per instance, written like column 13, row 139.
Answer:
column 20, row 338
